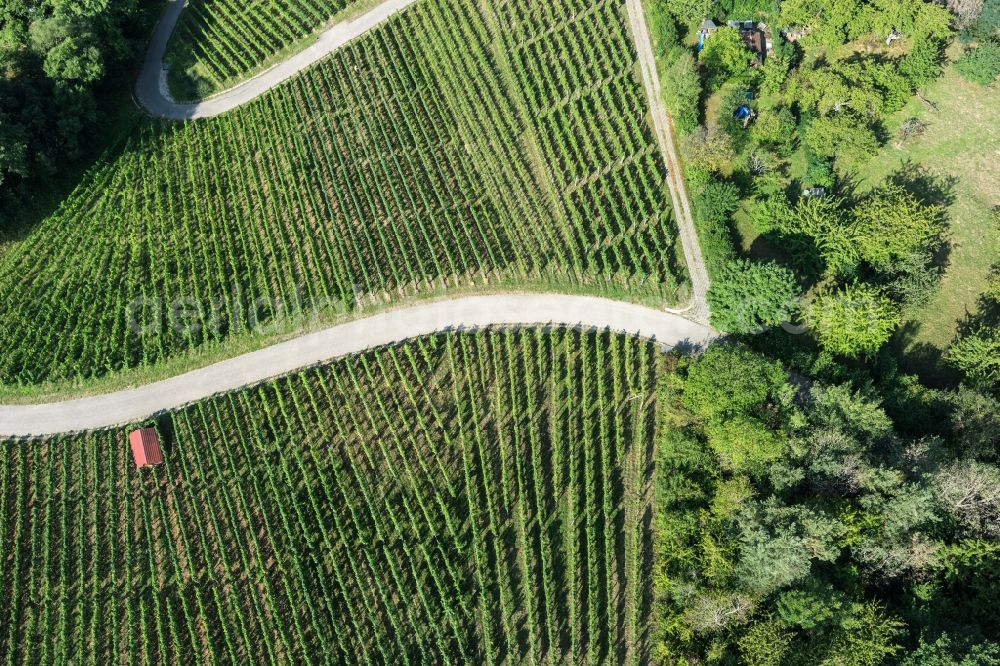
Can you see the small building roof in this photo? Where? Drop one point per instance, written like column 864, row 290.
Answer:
column 145, row 447
column 754, row 39
column 708, row 24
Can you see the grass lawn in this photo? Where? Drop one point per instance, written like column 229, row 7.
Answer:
column 962, row 142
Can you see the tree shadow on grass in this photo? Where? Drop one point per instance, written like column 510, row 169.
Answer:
column 930, row 189
column 987, row 312
column 923, row 359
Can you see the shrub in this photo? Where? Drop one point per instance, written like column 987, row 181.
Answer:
column 729, row 381
column 842, row 135
column 714, row 205
column 988, row 25
column 981, row 64
column 812, row 607
column 707, row 150
column 978, row 356
column 765, row 644
column 744, row 443
column 922, row 64
column 774, row 128
column 686, row 11
column 717, row 201
column 682, row 92
column 662, row 28
column 867, row 638
column 769, row 213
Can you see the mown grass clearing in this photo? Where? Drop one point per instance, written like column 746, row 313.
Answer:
column 961, row 144
column 471, row 498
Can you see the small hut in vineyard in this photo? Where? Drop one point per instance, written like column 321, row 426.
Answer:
column 145, row 447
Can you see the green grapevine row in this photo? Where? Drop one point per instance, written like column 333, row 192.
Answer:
column 437, row 151
column 219, row 42
column 464, row 498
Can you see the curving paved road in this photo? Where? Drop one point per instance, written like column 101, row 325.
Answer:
column 153, row 95
column 471, row 312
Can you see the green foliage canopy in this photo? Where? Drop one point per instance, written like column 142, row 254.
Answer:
column 981, row 64
column 748, row 297
column 682, row 91
column 55, row 54
column 725, row 56
column 856, row 319
column 891, row 223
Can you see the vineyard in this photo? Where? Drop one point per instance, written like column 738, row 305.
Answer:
column 466, row 498
column 459, row 145
column 219, row 42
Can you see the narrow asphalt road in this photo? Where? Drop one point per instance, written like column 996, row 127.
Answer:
column 153, row 95
column 466, row 313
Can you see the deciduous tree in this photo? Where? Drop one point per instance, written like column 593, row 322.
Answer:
column 857, row 319
column 970, row 492
column 725, row 56
column 891, row 223
column 978, row 355
column 749, row 297
column 966, row 11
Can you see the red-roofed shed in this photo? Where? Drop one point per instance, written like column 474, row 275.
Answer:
column 145, row 447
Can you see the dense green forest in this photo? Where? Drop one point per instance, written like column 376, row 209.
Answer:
column 805, row 523
column 58, row 58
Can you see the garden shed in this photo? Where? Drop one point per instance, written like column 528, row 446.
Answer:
column 146, row 447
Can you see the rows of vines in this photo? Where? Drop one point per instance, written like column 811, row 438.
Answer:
column 574, row 63
column 218, row 42
column 469, row 498
column 433, row 152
